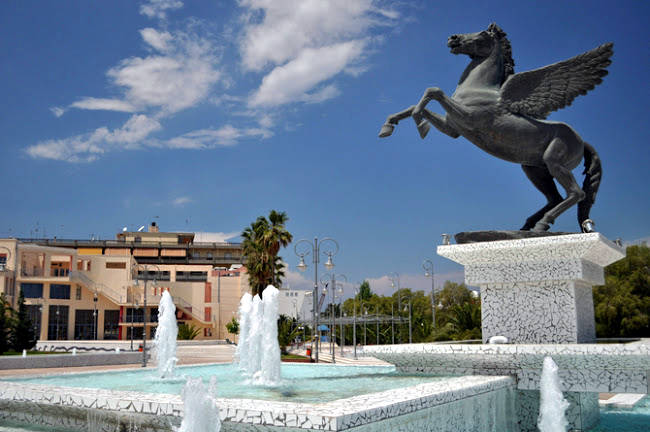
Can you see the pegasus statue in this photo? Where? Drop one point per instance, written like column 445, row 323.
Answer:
column 503, row 113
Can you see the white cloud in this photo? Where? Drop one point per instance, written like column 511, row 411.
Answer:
column 292, row 81
column 181, row 201
column 158, row 8
column 91, row 103
column 382, row 285
column 216, row 237
column 156, row 39
column 290, row 26
column 57, row 111
column 308, row 42
column 209, row 138
column 179, row 75
column 172, row 82
column 88, row 147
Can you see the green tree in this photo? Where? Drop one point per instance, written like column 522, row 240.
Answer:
column 288, row 330
column 187, row 332
column 365, row 293
column 5, row 323
column 233, row 326
column 622, row 305
column 23, row 334
column 262, row 242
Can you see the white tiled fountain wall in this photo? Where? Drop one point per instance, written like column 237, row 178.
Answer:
column 537, row 290
column 469, row 403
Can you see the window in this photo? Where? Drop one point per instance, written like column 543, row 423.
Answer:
column 153, row 314
column 57, row 326
column 151, row 275
column 111, row 324
column 191, row 276
column 116, row 265
column 3, row 261
column 137, row 333
column 84, row 324
column 134, row 314
column 78, row 293
column 34, row 314
column 32, row 290
column 227, row 255
column 60, row 291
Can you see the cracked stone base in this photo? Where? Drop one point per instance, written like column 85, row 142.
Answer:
column 537, row 290
column 538, row 312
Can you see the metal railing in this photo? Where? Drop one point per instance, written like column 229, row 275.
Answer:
column 99, row 287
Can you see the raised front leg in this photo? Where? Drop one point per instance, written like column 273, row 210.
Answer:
column 452, row 107
column 423, row 120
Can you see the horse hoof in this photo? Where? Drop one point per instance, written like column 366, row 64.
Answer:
column 541, row 227
column 423, row 128
column 386, row 130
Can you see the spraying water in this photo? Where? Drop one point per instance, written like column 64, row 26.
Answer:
column 552, row 406
column 269, row 373
column 166, row 334
column 74, row 351
column 258, row 351
column 24, row 353
column 255, row 337
column 201, row 413
column 242, row 354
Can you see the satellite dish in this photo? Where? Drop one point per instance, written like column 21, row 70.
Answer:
column 141, row 228
column 124, row 229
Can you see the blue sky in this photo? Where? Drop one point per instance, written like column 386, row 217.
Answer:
column 202, row 115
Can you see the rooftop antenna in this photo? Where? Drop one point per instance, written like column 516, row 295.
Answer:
column 141, row 228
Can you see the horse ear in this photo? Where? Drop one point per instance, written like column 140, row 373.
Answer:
column 495, row 29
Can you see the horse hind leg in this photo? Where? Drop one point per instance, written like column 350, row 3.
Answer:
column 557, row 158
column 543, row 181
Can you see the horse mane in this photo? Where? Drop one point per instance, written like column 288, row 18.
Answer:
column 506, row 50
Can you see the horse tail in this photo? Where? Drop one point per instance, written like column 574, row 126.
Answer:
column 593, row 173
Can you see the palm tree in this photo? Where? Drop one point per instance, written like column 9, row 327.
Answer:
column 262, row 242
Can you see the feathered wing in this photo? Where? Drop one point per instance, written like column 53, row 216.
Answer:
column 539, row 92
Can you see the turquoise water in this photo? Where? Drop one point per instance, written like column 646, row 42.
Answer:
column 626, row 420
column 300, row 383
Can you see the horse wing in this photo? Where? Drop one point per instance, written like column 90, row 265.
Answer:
column 539, row 92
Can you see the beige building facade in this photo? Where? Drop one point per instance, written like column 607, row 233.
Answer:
column 97, row 289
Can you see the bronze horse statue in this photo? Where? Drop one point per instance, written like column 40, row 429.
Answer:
column 503, row 113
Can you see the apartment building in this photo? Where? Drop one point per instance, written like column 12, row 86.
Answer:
column 97, row 289
column 295, row 304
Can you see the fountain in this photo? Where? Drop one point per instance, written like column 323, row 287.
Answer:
column 241, row 353
column 258, row 352
column 74, row 351
column 166, row 334
column 24, row 353
column 553, row 406
column 269, row 373
column 200, row 411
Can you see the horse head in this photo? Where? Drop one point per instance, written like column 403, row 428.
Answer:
column 481, row 45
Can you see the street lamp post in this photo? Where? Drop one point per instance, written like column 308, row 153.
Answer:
column 377, row 321
column 354, row 322
column 395, row 277
column 427, row 265
column 95, row 315
column 315, row 251
column 334, row 294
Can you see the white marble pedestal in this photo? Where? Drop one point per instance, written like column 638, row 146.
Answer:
column 537, row 290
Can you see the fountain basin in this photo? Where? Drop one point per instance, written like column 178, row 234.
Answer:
column 606, row 368
column 459, row 403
